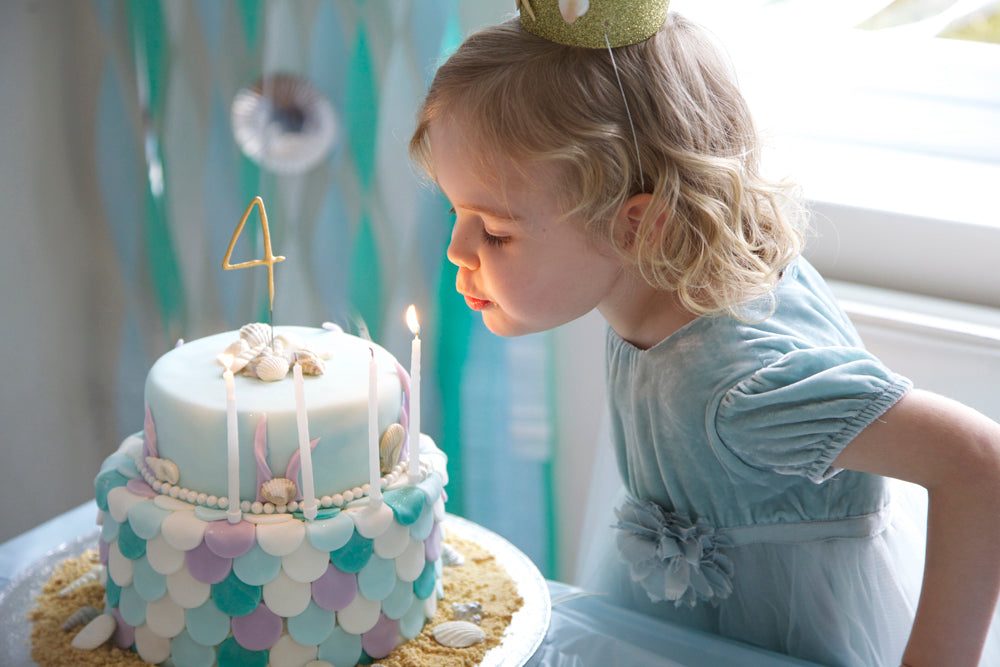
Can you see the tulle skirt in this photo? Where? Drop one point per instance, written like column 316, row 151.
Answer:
column 846, row 601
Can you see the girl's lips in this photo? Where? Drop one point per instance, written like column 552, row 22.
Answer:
column 476, row 304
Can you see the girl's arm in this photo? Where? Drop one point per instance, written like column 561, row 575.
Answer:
column 954, row 452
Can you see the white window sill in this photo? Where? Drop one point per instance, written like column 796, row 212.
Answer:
column 903, row 221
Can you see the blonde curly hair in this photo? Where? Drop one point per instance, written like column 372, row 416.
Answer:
column 716, row 231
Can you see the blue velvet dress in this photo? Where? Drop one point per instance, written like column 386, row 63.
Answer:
column 734, row 520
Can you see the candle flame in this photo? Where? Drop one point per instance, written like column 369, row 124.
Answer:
column 226, row 360
column 411, row 320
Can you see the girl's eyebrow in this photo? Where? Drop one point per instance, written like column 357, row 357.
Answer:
column 491, row 212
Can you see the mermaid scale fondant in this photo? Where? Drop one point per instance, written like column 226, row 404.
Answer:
column 188, row 585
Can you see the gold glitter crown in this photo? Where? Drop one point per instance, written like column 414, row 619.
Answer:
column 593, row 23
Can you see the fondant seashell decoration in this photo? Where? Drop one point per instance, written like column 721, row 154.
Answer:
column 261, row 354
column 290, row 341
column 257, row 355
column 571, row 10
column 390, row 447
column 240, row 353
column 96, row 632
column 467, row 611
column 245, row 358
column 271, row 367
column 450, row 556
column 458, row 634
column 279, row 490
column 81, row 616
column 237, row 347
column 256, row 334
column 164, row 470
column 92, row 576
column 310, row 362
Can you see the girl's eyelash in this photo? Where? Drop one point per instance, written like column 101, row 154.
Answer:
column 496, row 241
column 488, row 238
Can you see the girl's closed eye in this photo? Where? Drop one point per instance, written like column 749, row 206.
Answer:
column 493, row 239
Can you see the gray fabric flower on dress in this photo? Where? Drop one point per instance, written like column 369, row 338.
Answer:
column 671, row 557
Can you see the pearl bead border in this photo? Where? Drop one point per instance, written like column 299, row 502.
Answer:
column 338, row 500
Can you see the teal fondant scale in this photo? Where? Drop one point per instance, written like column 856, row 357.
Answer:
column 234, row 597
column 231, row 654
column 354, row 555
column 406, row 503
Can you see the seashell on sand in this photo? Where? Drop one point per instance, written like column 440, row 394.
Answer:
column 268, row 367
column 95, row 633
column 92, row 576
column 310, row 362
column 451, row 556
column 390, row 447
column 279, row 490
column 256, row 334
column 164, row 470
column 467, row 611
column 81, row 616
column 458, row 634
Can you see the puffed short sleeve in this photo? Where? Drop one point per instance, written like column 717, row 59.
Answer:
column 795, row 415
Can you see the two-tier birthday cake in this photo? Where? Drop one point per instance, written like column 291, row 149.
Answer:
column 232, row 537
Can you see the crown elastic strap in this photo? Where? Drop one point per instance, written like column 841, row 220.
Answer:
column 595, row 23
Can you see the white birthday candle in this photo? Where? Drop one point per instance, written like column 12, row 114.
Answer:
column 309, row 506
column 233, row 442
column 411, row 321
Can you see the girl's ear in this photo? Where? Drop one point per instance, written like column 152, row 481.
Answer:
column 630, row 216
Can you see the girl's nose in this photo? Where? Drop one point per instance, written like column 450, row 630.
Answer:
column 462, row 249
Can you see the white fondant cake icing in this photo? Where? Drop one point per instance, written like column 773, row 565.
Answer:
column 190, row 584
column 186, row 398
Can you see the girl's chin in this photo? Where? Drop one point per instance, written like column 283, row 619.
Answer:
column 495, row 321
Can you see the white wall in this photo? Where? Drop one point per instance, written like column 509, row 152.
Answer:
column 55, row 412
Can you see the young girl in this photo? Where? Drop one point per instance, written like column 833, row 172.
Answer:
column 618, row 171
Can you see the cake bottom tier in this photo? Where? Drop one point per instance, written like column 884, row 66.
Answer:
column 186, row 586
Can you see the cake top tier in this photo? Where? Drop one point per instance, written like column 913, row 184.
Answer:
column 186, row 399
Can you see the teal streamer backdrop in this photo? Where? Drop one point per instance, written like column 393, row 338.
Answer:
column 363, row 235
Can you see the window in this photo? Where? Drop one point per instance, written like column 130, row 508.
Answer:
column 889, row 121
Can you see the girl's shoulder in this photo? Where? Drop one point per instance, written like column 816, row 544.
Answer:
column 801, row 313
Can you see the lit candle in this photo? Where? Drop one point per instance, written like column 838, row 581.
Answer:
column 374, row 471
column 233, row 442
column 309, row 506
column 411, row 321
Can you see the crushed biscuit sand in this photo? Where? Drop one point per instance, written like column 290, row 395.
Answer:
column 480, row 579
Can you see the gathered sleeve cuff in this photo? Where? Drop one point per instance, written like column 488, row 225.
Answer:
column 795, row 415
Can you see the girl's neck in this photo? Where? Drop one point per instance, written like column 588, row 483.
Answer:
column 642, row 315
